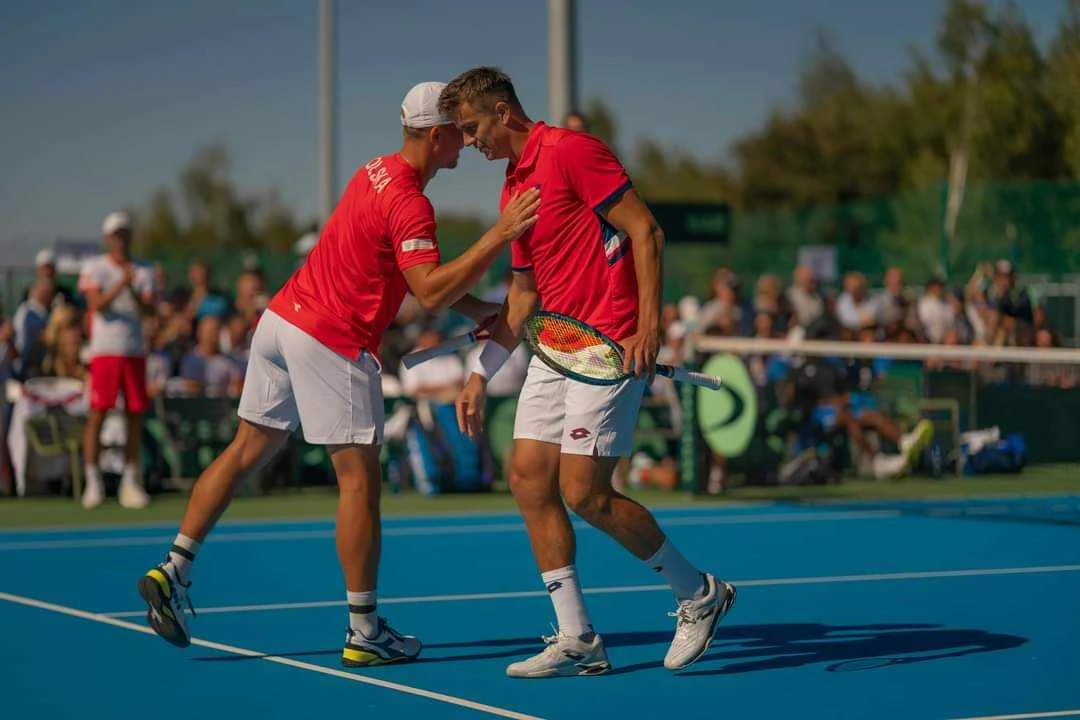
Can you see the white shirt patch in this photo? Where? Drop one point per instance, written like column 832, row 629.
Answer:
column 417, row 244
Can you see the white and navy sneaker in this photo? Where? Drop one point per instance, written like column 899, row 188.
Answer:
column 167, row 602
column 564, row 655
column 388, row 646
column 696, row 622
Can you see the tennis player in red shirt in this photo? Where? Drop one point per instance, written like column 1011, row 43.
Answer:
column 594, row 254
column 313, row 363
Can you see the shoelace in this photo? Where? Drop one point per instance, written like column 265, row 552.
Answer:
column 383, row 627
column 179, row 582
column 685, row 616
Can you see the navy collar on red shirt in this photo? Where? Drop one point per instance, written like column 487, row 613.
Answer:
column 531, row 151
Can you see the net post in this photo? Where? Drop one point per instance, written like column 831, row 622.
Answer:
column 689, row 463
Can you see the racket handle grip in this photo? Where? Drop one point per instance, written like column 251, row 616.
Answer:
column 450, row 346
column 681, row 374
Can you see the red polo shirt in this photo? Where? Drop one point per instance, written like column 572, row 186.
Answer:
column 584, row 267
column 351, row 285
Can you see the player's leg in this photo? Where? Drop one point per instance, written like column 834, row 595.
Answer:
column 268, row 414
column 370, row 640
column 132, row 493
column 341, row 406
column 104, row 375
column 575, row 649
column 599, row 429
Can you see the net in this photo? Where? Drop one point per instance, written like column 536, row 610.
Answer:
column 825, row 412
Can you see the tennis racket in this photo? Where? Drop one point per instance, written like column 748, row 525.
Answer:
column 447, row 347
column 583, row 353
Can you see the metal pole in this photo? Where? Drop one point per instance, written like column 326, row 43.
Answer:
column 327, row 124
column 562, row 59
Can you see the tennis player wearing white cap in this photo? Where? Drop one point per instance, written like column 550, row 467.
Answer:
column 119, row 291
column 313, row 363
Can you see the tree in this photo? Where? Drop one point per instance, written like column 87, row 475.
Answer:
column 1063, row 84
column 602, row 123
column 215, row 216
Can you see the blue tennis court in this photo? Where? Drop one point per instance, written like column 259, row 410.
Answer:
column 961, row 609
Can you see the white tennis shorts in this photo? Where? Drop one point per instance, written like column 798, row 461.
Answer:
column 293, row 379
column 584, row 419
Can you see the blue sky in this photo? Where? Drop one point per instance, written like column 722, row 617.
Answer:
column 103, row 101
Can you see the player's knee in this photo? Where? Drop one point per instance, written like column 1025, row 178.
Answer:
column 528, row 488
column 585, row 501
column 249, row 447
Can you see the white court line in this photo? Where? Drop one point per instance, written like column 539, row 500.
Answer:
column 515, row 527
column 1028, row 716
column 702, row 506
column 233, row 650
column 772, row 582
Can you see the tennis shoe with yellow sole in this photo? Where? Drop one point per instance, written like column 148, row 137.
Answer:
column 565, row 655
column 167, row 604
column 388, row 646
column 696, row 622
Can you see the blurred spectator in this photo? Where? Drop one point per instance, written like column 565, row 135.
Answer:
column 119, row 291
column 439, row 379
column 7, row 357
column 64, row 346
column 807, row 304
column 575, row 121
column 159, row 364
column 894, row 307
column 45, row 269
column 723, row 314
column 769, row 298
column 855, row 309
column 236, row 339
column 205, row 369
column 251, row 296
column 1008, row 299
column 29, row 322
column 936, row 313
column 204, row 299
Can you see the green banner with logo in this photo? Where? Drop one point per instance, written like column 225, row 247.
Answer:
column 728, row 416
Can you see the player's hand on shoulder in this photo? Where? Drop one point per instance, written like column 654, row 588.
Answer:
column 470, row 406
column 520, row 214
column 639, row 354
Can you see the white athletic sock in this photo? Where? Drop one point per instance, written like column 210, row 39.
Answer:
column 685, row 580
column 570, row 612
column 130, row 474
column 92, row 473
column 363, row 615
column 182, row 555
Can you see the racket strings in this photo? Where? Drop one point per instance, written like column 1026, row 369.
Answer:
column 574, row 348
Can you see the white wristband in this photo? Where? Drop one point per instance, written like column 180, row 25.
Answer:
column 490, row 359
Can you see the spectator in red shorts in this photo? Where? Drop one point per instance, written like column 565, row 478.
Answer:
column 119, row 292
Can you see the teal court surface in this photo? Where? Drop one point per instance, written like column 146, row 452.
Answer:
column 900, row 609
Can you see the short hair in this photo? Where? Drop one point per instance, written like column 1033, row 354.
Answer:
column 414, row 133
column 480, row 87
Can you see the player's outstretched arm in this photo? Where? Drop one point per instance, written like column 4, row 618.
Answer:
column 631, row 215
column 521, row 299
column 439, row 286
column 473, row 307
column 506, row 333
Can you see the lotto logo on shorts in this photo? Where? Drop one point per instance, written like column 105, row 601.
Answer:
column 579, row 433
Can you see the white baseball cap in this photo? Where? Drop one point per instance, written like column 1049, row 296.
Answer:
column 45, row 256
column 420, row 108
column 115, row 222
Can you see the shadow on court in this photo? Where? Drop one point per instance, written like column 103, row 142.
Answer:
column 748, row 648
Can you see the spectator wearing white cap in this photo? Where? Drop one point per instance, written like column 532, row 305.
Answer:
column 45, row 269
column 119, row 291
